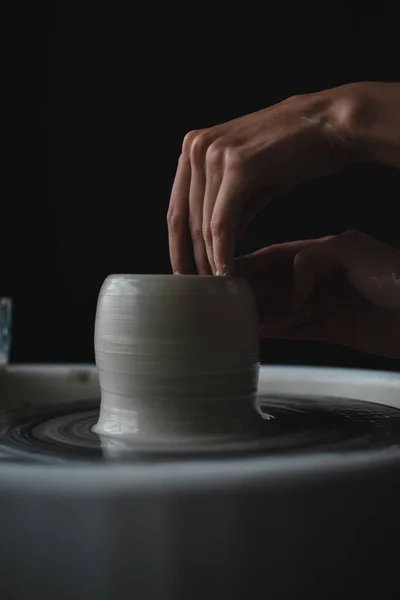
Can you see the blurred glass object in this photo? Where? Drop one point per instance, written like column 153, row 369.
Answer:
column 5, row 329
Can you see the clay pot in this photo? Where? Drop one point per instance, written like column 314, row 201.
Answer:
column 177, row 358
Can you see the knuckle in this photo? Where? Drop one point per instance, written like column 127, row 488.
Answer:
column 198, row 148
column 303, row 257
column 174, row 221
column 298, row 259
column 297, row 99
column 351, row 241
column 234, row 158
column 207, row 234
column 189, row 139
column 217, row 228
column 352, row 234
column 292, row 99
column 214, row 154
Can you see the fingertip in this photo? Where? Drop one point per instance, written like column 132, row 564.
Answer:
column 223, row 258
column 225, row 271
column 182, row 267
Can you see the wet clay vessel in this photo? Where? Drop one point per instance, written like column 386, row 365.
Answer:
column 177, row 358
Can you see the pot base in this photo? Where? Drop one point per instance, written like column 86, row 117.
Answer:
column 285, row 425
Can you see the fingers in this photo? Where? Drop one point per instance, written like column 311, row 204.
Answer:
column 213, row 201
column 196, row 199
column 354, row 251
column 271, row 259
column 312, row 261
column 206, row 204
column 214, row 204
column 225, row 219
column 214, row 162
column 271, row 274
column 178, row 219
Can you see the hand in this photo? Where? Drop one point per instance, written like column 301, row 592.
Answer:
column 227, row 173
column 343, row 289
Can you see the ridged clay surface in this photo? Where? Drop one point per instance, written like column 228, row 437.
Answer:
column 177, row 358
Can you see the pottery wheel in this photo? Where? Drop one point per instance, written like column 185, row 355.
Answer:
column 287, row 425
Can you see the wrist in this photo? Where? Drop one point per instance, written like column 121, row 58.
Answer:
column 366, row 119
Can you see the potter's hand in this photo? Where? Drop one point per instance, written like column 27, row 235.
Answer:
column 343, row 289
column 227, row 173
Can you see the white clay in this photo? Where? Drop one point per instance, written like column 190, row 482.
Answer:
column 177, row 358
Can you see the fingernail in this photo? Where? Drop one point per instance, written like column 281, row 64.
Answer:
column 176, row 273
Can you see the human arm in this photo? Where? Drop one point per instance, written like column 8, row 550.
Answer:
column 227, row 173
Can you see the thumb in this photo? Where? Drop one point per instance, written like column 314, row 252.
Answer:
column 348, row 250
column 312, row 262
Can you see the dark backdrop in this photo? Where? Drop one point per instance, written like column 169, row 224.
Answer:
column 123, row 87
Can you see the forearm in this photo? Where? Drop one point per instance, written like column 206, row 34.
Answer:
column 368, row 114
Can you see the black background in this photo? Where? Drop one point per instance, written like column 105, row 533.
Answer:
column 123, row 86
